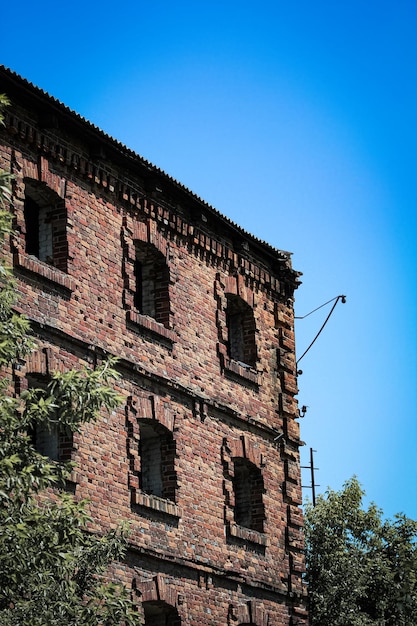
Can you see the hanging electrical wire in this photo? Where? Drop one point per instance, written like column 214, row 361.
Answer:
column 342, row 298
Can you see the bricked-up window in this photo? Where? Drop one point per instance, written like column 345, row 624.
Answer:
column 45, row 224
column 248, row 489
column 48, row 439
column 241, row 329
column 160, row 614
column 151, row 295
column 157, row 457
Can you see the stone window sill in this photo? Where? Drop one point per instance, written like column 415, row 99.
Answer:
column 50, row 273
column 247, row 534
column 151, row 325
column 161, row 505
column 241, row 370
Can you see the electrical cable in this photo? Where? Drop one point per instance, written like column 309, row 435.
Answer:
column 314, row 310
column 324, row 324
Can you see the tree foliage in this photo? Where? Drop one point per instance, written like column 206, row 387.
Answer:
column 52, row 570
column 361, row 569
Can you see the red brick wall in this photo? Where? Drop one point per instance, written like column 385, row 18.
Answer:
column 186, row 549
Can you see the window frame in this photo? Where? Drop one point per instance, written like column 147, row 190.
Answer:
column 50, row 436
column 142, row 239
column 25, row 260
column 227, row 289
column 153, row 411
column 242, row 450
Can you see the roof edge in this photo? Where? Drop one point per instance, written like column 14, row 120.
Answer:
column 24, row 84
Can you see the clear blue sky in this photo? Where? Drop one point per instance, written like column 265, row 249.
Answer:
column 298, row 120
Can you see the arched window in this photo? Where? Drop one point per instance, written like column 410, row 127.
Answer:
column 248, row 490
column 158, row 613
column 45, row 224
column 241, row 330
column 151, row 295
column 48, row 439
column 157, row 457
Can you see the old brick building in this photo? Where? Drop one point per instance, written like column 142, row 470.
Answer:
column 113, row 256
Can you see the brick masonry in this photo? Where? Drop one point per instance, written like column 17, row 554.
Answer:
column 189, row 561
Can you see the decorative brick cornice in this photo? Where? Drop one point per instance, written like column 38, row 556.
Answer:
column 202, row 405
column 132, row 196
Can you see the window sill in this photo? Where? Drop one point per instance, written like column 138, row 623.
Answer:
column 161, row 505
column 151, row 325
column 241, row 370
column 50, row 273
column 247, row 534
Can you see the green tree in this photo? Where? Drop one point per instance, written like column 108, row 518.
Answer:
column 52, row 570
column 361, row 569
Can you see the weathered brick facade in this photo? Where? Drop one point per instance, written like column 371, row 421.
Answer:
column 112, row 256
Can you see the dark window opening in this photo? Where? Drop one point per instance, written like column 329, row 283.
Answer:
column 248, row 491
column 160, row 614
column 241, row 329
column 157, row 457
column 151, row 296
column 138, row 295
column 49, row 439
column 31, row 212
column 45, row 225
